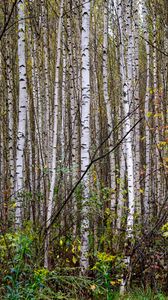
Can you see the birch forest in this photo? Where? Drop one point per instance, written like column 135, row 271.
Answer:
column 84, row 149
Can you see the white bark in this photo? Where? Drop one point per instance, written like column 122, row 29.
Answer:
column 22, row 112
column 135, row 71
column 63, row 111
column 55, row 134
column 73, row 75
column 45, row 88
column 10, row 119
column 126, row 79
column 147, row 126
column 110, row 117
column 121, row 180
column 85, row 135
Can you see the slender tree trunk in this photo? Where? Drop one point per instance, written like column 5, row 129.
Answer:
column 19, row 179
column 126, row 79
column 147, row 194
column 110, row 117
column 55, row 134
column 10, row 120
column 85, row 136
column 136, row 102
column 156, row 137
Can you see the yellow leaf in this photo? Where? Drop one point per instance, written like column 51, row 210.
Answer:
column 161, row 144
column 94, row 176
column 107, row 211
column 93, row 287
column 143, row 138
column 61, row 242
column 74, row 260
column 165, row 234
column 149, row 114
column 141, row 191
column 158, row 115
column 113, row 283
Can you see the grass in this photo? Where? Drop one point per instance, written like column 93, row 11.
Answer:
column 139, row 294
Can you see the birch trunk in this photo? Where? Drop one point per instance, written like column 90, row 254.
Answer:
column 54, row 144
column 110, row 117
column 19, row 179
column 126, row 79
column 147, row 125
column 47, row 112
column 157, row 106
column 73, row 75
column 85, row 135
column 10, row 119
column 136, row 102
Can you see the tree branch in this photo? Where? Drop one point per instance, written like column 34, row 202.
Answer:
column 8, row 20
column 87, row 169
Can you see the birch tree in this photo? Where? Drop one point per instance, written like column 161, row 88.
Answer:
column 147, row 109
column 126, row 80
column 136, row 102
column 110, row 117
column 85, row 135
column 10, row 118
column 22, row 108
column 55, row 136
column 157, row 105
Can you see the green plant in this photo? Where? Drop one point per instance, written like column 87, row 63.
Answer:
column 103, row 268
column 17, row 248
column 141, row 294
column 39, row 278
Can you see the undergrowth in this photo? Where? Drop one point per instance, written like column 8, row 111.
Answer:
column 22, row 278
